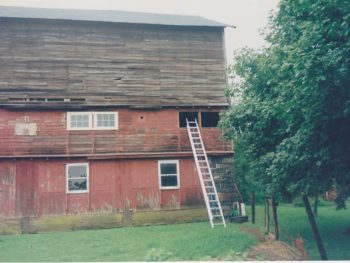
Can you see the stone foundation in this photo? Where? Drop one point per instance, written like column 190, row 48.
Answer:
column 222, row 170
column 99, row 221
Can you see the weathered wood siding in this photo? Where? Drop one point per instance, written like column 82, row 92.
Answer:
column 97, row 63
column 38, row 187
column 139, row 132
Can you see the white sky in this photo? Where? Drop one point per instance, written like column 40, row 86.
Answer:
column 247, row 15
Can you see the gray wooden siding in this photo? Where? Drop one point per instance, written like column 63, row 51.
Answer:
column 110, row 64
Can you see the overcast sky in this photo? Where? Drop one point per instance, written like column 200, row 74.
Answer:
column 247, row 15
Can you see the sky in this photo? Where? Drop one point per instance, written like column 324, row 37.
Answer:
column 248, row 16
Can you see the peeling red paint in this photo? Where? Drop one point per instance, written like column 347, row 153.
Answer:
column 157, row 131
column 38, row 187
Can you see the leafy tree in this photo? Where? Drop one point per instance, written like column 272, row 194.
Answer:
column 293, row 111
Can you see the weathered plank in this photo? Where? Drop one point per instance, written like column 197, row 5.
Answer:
column 133, row 65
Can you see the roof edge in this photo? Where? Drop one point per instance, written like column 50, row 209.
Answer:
column 113, row 16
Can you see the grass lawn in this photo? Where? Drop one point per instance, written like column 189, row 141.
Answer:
column 293, row 223
column 195, row 241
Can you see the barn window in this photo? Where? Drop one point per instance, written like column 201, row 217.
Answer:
column 168, row 174
column 191, row 116
column 79, row 120
column 209, row 119
column 77, row 177
column 105, row 120
column 92, row 121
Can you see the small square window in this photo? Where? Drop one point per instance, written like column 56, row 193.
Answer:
column 169, row 174
column 190, row 116
column 210, row 119
column 77, row 178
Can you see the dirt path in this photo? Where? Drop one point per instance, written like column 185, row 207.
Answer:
column 269, row 249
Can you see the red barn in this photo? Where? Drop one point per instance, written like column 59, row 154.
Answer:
column 93, row 108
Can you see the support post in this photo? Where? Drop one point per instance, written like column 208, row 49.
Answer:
column 314, row 228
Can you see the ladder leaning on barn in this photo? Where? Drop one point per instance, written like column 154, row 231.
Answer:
column 211, row 198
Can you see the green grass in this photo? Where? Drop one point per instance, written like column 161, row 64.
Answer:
column 193, row 241
column 293, row 223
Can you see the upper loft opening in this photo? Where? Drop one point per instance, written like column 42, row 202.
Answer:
column 204, row 119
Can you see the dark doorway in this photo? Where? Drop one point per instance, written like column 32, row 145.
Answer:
column 210, row 119
column 191, row 116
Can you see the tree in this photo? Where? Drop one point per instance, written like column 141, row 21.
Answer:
column 293, row 113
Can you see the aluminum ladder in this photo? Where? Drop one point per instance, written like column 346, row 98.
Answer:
column 211, row 198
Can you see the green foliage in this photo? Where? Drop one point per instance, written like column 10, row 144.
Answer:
column 293, row 110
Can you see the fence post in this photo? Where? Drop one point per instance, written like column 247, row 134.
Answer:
column 267, row 215
column 252, row 203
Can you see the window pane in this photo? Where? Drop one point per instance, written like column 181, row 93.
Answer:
column 168, row 168
column 169, row 181
column 210, row 119
column 77, row 184
column 77, row 171
column 191, row 116
column 105, row 120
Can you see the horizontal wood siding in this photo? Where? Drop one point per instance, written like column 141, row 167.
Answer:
column 35, row 188
column 110, row 64
column 139, row 132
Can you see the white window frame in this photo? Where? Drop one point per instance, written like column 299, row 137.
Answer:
column 87, row 178
column 115, row 127
column 92, row 120
column 69, row 116
column 177, row 175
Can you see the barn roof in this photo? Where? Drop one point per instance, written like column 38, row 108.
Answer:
column 107, row 16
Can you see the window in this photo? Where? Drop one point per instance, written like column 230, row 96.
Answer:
column 79, row 121
column 105, row 120
column 169, row 174
column 210, row 119
column 77, row 178
column 92, row 121
column 190, row 116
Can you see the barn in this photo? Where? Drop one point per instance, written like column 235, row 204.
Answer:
column 93, row 109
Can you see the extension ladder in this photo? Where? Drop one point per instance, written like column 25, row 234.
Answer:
column 211, row 198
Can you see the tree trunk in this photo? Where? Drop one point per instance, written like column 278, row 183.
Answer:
column 267, row 216
column 315, row 206
column 252, row 202
column 275, row 219
column 314, row 228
